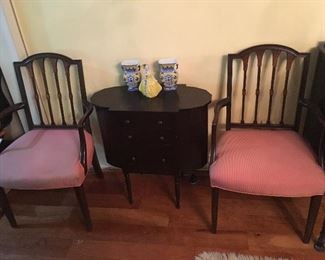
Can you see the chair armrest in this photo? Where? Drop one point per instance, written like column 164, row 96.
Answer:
column 81, row 128
column 217, row 108
column 89, row 108
column 7, row 111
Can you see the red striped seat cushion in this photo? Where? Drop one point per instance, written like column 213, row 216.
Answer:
column 44, row 159
column 266, row 162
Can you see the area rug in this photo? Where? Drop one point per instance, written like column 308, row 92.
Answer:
column 232, row 256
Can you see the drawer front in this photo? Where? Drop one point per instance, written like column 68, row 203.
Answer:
column 142, row 121
column 150, row 160
column 135, row 138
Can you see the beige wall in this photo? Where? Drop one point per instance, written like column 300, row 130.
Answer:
column 197, row 33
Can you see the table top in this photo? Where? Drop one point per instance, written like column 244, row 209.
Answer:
column 120, row 99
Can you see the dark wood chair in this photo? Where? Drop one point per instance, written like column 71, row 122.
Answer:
column 318, row 97
column 261, row 152
column 4, row 103
column 58, row 149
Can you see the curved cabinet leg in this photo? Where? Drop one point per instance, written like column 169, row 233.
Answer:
column 96, row 165
column 4, row 203
column 214, row 209
column 80, row 193
column 178, row 188
column 128, row 185
column 314, row 206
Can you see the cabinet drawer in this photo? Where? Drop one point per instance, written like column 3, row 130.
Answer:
column 150, row 160
column 142, row 121
column 146, row 138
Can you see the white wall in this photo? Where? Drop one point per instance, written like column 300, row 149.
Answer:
column 11, row 50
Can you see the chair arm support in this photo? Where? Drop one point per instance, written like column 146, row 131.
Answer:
column 217, row 108
column 7, row 111
column 89, row 109
column 82, row 138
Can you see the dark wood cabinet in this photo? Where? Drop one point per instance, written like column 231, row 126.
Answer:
column 163, row 135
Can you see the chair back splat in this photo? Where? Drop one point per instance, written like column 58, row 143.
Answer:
column 274, row 64
column 52, row 84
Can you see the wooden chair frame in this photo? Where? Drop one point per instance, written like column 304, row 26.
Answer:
column 81, row 125
column 259, row 50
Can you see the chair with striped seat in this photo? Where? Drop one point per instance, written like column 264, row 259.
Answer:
column 261, row 152
column 57, row 150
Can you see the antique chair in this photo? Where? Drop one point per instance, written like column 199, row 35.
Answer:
column 318, row 97
column 261, row 153
column 3, row 104
column 58, row 149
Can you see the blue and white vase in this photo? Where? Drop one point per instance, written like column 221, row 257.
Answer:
column 168, row 73
column 131, row 74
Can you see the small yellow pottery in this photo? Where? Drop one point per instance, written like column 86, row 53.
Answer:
column 149, row 86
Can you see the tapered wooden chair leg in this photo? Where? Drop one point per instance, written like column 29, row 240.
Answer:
column 81, row 196
column 320, row 243
column 6, row 208
column 214, row 209
column 314, row 206
column 96, row 165
column 128, row 185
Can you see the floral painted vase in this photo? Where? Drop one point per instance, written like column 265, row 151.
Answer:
column 168, row 73
column 131, row 74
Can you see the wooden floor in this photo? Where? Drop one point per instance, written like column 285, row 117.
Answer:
column 50, row 223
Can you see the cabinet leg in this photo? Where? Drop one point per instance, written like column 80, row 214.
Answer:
column 128, row 186
column 214, row 209
column 177, row 189
column 96, row 165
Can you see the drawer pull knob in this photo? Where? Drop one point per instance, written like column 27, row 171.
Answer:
column 163, row 160
column 127, row 121
column 160, row 122
column 130, row 137
column 133, row 158
column 162, row 138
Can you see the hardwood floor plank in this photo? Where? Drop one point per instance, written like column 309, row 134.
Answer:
column 50, row 223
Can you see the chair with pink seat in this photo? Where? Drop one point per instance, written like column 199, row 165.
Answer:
column 261, row 152
column 58, row 149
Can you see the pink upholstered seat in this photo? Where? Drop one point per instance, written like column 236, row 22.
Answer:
column 266, row 162
column 44, row 159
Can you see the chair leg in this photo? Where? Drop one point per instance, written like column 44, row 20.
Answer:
column 314, row 206
column 96, row 165
column 6, row 208
column 128, row 185
column 178, row 189
column 320, row 243
column 214, row 209
column 81, row 196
